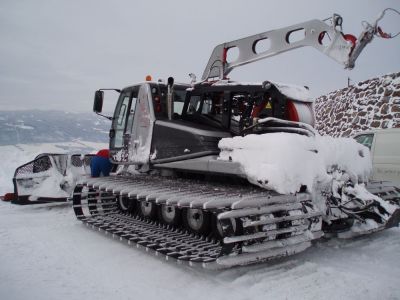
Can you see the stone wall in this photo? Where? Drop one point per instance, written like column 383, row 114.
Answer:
column 374, row 103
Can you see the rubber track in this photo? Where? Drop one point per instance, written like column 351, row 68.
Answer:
column 97, row 207
column 178, row 244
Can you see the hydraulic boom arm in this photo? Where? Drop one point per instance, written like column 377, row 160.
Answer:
column 327, row 38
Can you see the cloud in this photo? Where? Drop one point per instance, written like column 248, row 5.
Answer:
column 58, row 52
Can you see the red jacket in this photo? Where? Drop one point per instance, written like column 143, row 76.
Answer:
column 103, row 153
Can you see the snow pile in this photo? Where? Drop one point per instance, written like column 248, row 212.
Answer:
column 346, row 155
column 51, row 186
column 285, row 162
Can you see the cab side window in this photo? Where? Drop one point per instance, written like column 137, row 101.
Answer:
column 160, row 101
column 194, row 105
column 179, row 101
column 121, row 113
column 131, row 115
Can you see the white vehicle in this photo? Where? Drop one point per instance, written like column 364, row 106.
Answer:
column 385, row 152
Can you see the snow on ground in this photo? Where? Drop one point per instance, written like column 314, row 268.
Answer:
column 47, row 254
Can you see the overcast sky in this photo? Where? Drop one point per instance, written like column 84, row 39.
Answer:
column 55, row 54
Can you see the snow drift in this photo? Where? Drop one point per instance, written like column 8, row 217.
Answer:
column 285, row 162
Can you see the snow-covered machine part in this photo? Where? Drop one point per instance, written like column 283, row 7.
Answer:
column 49, row 177
column 326, row 36
column 333, row 170
column 223, row 173
column 295, row 92
column 285, row 162
column 359, row 209
column 369, row 32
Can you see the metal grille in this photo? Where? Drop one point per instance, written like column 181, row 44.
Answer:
column 38, row 165
column 87, row 159
column 76, row 160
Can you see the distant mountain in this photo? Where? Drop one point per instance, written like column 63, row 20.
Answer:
column 37, row 126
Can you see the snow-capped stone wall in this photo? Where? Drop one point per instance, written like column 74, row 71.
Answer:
column 374, row 103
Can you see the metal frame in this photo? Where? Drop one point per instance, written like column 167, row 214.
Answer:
column 337, row 48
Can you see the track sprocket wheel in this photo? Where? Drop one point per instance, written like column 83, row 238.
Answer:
column 197, row 220
column 147, row 209
column 169, row 214
column 126, row 204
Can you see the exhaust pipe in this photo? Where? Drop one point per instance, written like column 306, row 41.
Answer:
column 170, row 98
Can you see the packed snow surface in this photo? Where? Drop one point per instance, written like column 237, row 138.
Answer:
column 284, row 162
column 47, row 254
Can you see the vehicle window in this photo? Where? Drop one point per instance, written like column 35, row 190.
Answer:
column 213, row 108
column 122, row 111
column 217, row 101
column 131, row 115
column 121, row 119
column 178, row 107
column 241, row 108
column 207, row 106
column 365, row 139
column 194, row 104
column 179, row 101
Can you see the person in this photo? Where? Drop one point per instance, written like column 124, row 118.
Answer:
column 100, row 164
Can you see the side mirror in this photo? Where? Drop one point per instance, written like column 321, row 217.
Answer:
column 98, row 101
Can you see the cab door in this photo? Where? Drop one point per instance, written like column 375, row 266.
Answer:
column 142, row 127
column 130, row 136
column 121, row 129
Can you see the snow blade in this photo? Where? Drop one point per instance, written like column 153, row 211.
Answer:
column 50, row 177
